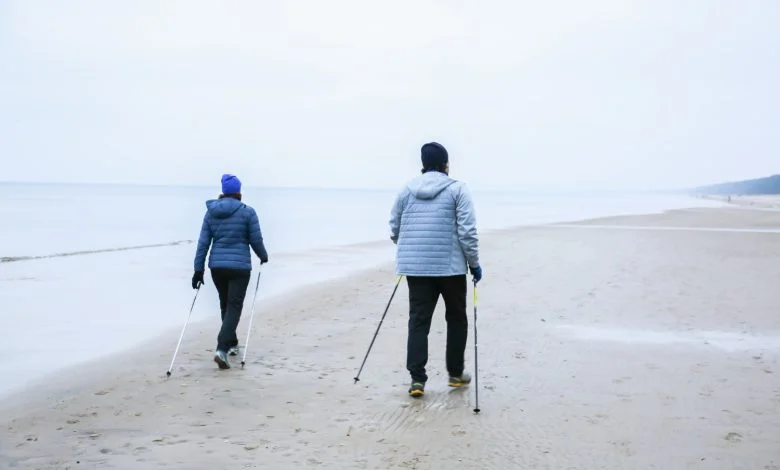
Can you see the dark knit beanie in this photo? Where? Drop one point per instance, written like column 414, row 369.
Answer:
column 434, row 156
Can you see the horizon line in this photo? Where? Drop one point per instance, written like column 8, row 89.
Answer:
column 338, row 188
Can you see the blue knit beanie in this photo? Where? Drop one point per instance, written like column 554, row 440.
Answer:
column 230, row 184
column 434, row 156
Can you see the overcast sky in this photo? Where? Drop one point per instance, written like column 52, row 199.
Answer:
column 342, row 93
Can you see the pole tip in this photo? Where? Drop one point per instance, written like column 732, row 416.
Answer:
column 476, row 410
column 168, row 374
column 242, row 364
column 357, row 380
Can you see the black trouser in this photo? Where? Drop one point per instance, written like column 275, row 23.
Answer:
column 423, row 296
column 231, row 285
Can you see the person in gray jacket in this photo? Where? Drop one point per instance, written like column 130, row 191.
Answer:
column 433, row 224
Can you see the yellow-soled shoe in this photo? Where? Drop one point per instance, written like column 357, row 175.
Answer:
column 417, row 389
column 462, row 380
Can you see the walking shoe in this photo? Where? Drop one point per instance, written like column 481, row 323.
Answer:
column 233, row 351
column 417, row 389
column 221, row 359
column 464, row 379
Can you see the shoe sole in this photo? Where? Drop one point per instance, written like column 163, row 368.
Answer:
column 458, row 384
column 222, row 364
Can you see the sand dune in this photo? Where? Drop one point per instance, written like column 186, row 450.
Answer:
column 599, row 349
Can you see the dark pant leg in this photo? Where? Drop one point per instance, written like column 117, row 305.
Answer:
column 238, row 280
column 453, row 290
column 423, row 296
column 220, row 279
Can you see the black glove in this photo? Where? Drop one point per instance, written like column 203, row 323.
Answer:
column 263, row 260
column 197, row 279
column 476, row 272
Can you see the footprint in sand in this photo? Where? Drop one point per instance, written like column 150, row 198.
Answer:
column 733, row 437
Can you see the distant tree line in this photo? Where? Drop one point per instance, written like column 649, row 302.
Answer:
column 767, row 185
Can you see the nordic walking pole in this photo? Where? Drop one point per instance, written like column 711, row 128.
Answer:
column 168, row 374
column 357, row 377
column 251, row 316
column 476, row 366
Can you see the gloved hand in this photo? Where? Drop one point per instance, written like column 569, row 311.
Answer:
column 476, row 271
column 263, row 260
column 197, row 279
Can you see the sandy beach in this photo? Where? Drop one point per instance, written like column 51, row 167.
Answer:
column 614, row 343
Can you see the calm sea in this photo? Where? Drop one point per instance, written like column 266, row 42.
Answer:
column 41, row 219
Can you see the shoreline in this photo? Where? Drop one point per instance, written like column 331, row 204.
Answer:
column 622, row 204
column 698, row 343
column 280, row 296
column 758, row 202
column 289, row 274
column 373, row 256
column 74, row 377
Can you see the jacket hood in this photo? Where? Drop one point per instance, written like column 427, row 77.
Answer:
column 429, row 185
column 223, row 208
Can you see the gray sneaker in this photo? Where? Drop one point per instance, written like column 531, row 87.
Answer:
column 233, row 351
column 417, row 389
column 463, row 379
column 221, row 359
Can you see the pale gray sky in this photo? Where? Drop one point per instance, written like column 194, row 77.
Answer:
column 525, row 94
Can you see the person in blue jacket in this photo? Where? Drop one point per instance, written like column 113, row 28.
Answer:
column 230, row 228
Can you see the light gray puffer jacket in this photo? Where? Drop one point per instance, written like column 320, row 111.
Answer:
column 434, row 225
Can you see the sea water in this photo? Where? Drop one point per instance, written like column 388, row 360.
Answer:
column 66, row 295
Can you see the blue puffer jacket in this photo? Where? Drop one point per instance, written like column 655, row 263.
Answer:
column 434, row 225
column 233, row 227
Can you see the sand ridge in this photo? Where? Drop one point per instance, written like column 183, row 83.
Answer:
column 598, row 349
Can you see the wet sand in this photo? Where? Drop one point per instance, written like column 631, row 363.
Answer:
column 601, row 347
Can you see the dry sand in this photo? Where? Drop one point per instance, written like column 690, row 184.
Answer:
column 599, row 349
